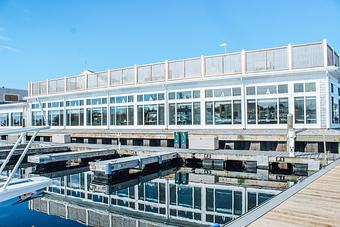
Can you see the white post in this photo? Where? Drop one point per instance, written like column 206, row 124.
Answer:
column 290, row 56
column 108, row 78
column 325, row 47
column 166, row 68
column 136, row 75
column 243, row 62
column 202, row 66
column 65, row 84
column 85, row 81
column 47, row 87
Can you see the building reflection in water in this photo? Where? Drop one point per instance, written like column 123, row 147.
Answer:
column 154, row 198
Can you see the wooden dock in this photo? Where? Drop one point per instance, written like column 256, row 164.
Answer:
column 313, row 202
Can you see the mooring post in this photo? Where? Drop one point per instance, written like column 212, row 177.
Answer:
column 290, row 136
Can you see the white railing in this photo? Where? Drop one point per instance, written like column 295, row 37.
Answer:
column 273, row 59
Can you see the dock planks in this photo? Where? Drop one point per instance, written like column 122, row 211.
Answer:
column 317, row 204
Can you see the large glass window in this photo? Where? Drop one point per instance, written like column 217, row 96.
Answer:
column 161, row 117
column 140, row 115
column 251, row 111
column 283, row 110
column 299, row 106
column 56, row 117
column 96, row 116
column 267, row 111
column 121, row 115
column 197, row 113
column 4, row 119
column 172, row 114
column 75, row 117
column 209, row 113
column 184, row 113
column 237, row 112
column 17, row 119
column 311, row 110
column 112, row 115
column 150, row 114
column 37, row 119
column 223, row 114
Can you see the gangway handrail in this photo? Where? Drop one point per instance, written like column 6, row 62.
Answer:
column 23, row 133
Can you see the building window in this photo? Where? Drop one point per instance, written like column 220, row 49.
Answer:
column 4, row 119
column 55, row 117
column 310, row 110
column 150, row 114
column 305, row 110
column 209, row 113
column 17, row 119
column 172, row 114
column 197, row 113
column 75, row 117
column 96, row 116
column 310, row 87
column 250, row 90
column 223, row 112
column 184, row 113
column 299, row 110
column 283, row 110
column 37, row 118
column 298, row 87
column 267, row 111
column 237, row 112
column 251, row 111
column 266, row 90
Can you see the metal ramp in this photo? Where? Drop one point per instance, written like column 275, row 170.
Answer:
column 11, row 188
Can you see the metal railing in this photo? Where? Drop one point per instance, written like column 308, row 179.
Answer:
column 273, row 59
column 23, row 133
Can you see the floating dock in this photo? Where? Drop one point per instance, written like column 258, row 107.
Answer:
column 66, row 156
column 140, row 161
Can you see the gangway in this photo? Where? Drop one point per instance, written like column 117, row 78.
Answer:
column 10, row 187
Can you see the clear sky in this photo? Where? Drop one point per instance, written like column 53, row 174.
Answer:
column 42, row 39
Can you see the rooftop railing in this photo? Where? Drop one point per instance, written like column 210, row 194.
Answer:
column 289, row 57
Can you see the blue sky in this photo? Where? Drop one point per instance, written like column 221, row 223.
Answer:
column 42, row 39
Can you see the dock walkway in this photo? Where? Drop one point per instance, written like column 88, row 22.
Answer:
column 313, row 202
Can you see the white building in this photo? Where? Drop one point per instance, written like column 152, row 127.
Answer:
column 244, row 90
column 231, row 93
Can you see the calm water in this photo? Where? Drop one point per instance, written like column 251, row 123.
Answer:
column 175, row 196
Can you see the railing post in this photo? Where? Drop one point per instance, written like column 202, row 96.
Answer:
column 65, row 84
column 136, row 74
column 108, row 78
column 290, row 56
column 243, row 62
column 47, row 90
column 202, row 66
column 166, row 68
column 86, row 85
column 324, row 48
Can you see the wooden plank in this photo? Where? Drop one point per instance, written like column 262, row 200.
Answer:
column 317, row 204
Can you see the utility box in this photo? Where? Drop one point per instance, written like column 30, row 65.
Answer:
column 177, row 141
column 203, row 142
column 178, row 178
column 61, row 138
column 184, row 140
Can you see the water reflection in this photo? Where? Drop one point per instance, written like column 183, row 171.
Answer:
column 202, row 198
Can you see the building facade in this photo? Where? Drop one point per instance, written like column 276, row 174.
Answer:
column 244, row 90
